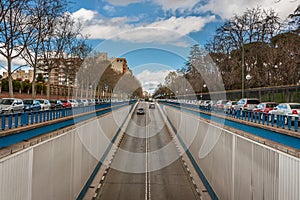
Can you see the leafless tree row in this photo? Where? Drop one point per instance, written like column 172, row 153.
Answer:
column 42, row 33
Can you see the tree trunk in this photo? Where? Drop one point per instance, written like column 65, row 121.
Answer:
column 48, row 88
column 10, row 85
column 33, row 83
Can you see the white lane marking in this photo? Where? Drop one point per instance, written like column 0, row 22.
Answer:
column 146, row 160
column 147, row 180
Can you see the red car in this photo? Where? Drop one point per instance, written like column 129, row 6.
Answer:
column 66, row 104
column 265, row 107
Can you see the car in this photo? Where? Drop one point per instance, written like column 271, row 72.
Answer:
column 11, row 105
column 265, row 107
column 140, row 111
column 45, row 104
column 66, row 103
column 229, row 107
column 151, row 106
column 85, row 102
column 286, row 109
column 31, row 105
column 220, row 105
column 74, row 102
column 246, row 104
column 56, row 104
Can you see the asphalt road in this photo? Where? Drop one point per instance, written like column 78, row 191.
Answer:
column 147, row 164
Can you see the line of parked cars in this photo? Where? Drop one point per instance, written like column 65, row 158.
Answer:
column 251, row 104
column 13, row 105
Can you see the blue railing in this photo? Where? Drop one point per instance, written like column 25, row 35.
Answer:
column 11, row 121
column 278, row 121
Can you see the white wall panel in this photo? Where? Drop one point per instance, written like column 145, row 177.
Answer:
column 15, row 176
column 289, row 178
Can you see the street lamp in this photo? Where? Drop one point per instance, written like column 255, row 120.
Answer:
column 204, row 86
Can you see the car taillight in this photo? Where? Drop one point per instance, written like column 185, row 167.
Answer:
column 294, row 112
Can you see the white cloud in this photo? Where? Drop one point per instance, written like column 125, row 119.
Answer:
column 84, row 14
column 163, row 31
column 123, row 2
column 109, row 9
column 227, row 8
column 174, row 5
column 150, row 80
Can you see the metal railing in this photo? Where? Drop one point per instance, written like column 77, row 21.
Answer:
column 278, row 121
column 15, row 120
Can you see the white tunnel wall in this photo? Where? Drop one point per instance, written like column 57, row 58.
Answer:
column 59, row 168
column 234, row 166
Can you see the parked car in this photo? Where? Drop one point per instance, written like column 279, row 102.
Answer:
column 85, row 102
column 286, row 109
column 56, row 104
column 265, row 107
column 140, row 111
column 45, row 104
column 246, row 104
column 80, row 102
column 66, row 103
column 74, row 102
column 229, row 107
column 31, row 105
column 220, row 105
column 11, row 105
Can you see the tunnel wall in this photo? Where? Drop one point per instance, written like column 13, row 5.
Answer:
column 59, row 168
column 236, row 167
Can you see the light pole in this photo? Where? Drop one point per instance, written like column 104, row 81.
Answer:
column 204, row 86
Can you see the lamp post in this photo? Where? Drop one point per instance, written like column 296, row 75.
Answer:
column 204, row 86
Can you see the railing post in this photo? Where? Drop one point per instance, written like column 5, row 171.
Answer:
column 283, row 122
column 10, row 121
column 3, row 122
column 16, row 120
column 289, row 122
column 272, row 119
column 36, row 117
column 296, row 123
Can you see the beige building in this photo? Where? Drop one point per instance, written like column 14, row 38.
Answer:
column 21, row 75
column 119, row 65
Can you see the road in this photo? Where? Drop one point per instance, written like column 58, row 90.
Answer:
column 147, row 164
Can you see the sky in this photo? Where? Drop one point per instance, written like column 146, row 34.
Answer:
column 155, row 36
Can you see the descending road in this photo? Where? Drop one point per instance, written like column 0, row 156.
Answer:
column 147, row 164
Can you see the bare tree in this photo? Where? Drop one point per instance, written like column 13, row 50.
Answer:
column 15, row 31
column 57, row 46
column 43, row 13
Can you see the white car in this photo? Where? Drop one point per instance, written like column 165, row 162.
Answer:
column 45, row 104
column 74, row 102
column 11, row 105
column 287, row 109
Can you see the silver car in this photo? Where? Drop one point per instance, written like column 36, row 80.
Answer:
column 287, row 109
column 246, row 104
column 45, row 104
column 11, row 105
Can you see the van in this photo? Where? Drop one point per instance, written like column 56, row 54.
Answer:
column 11, row 105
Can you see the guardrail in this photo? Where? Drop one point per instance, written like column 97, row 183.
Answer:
column 278, row 121
column 11, row 121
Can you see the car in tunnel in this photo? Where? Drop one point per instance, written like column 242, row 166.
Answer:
column 140, row 111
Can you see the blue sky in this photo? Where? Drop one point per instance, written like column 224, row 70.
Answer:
column 155, row 36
